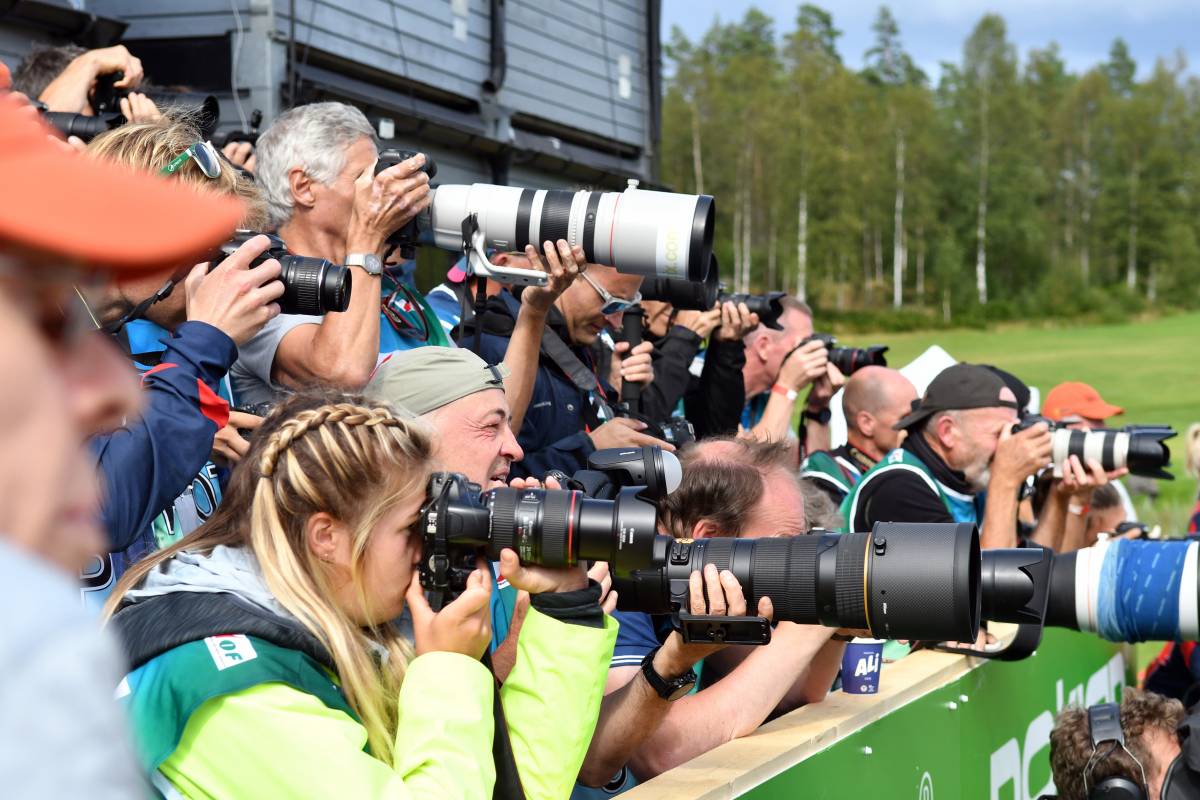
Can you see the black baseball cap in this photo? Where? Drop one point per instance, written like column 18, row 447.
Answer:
column 959, row 387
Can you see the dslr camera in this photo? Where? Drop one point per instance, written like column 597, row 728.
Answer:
column 1141, row 448
column 311, row 286
column 849, row 360
column 547, row 527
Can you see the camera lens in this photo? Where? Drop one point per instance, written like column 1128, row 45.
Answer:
column 558, row 528
column 901, row 581
column 849, row 360
column 683, row 294
column 1143, row 451
column 769, row 306
column 657, row 234
column 313, row 286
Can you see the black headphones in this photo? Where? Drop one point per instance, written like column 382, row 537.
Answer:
column 1104, row 727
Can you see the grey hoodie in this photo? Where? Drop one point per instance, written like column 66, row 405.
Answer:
column 233, row 570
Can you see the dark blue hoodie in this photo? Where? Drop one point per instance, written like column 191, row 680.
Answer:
column 158, row 481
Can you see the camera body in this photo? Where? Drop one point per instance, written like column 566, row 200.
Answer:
column 407, row 237
column 204, row 108
column 311, row 286
column 849, row 360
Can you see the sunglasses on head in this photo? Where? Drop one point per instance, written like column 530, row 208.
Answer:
column 205, row 156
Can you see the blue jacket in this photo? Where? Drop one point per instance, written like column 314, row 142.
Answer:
column 553, row 434
column 158, row 481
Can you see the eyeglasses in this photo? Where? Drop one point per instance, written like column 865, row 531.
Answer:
column 612, row 304
column 205, row 156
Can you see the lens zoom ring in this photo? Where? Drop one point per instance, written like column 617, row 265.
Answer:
column 303, row 283
column 556, row 216
column 851, row 566
column 503, row 522
column 800, row 585
column 555, row 517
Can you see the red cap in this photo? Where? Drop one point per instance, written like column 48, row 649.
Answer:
column 1075, row 399
column 104, row 215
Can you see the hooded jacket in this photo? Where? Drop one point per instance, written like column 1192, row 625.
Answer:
column 230, row 696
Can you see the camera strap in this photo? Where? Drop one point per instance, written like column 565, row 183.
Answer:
column 578, row 372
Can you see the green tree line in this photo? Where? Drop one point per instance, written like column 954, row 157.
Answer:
column 1007, row 189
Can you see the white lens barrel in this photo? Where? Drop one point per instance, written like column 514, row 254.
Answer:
column 639, row 232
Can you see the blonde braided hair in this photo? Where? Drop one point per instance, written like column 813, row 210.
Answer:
column 354, row 460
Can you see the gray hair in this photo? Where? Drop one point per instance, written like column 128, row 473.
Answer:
column 313, row 137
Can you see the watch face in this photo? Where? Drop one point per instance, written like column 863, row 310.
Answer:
column 683, row 690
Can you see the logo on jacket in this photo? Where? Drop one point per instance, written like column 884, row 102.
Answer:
column 229, row 650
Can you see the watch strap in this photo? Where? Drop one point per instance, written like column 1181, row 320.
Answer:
column 368, row 262
column 667, row 688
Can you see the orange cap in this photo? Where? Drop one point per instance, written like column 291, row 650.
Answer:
column 5, row 77
column 105, row 215
column 1075, row 399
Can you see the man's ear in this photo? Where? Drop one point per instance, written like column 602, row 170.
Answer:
column 301, row 187
column 325, row 536
column 704, row 530
column 865, row 422
column 761, row 347
column 501, row 259
column 947, row 432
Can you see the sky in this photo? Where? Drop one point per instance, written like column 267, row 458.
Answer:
column 934, row 30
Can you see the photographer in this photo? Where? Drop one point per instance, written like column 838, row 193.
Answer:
column 706, row 378
column 161, row 470
column 299, row 573
column 779, row 365
column 568, row 412
column 76, row 221
column 315, row 164
column 959, row 443
column 1080, row 407
column 464, row 401
column 730, row 488
column 1157, row 744
column 64, row 78
column 873, row 401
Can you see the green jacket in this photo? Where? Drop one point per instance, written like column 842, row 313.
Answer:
column 281, row 728
column 962, row 508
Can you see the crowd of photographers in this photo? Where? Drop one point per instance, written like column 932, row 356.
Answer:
column 236, row 481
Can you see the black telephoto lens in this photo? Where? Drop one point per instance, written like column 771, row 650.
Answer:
column 901, row 581
column 313, row 286
column 558, row 528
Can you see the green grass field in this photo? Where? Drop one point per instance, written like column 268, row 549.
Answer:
column 1150, row 368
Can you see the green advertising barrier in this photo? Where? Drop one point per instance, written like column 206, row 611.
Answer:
column 986, row 735
column 947, row 727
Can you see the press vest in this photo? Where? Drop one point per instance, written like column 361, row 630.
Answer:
column 962, row 507
column 835, row 471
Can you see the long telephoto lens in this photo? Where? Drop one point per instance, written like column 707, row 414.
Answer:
column 1014, row 584
column 1128, row 590
column 683, row 295
column 769, row 306
column 640, row 232
column 901, row 581
column 1142, row 449
column 851, row 359
column 313, row 286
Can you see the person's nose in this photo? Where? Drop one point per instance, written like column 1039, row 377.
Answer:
column 509, row 447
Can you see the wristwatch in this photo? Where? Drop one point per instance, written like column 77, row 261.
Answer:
column 821, row 417
column 667, row 689
column 368, row 262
